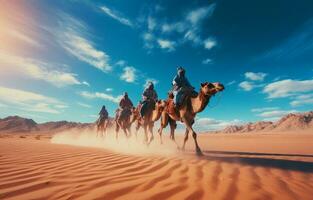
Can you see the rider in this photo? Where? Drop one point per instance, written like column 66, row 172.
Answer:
column 103, row 113
column 149, row 95
column 125, row 105
column 181, row 85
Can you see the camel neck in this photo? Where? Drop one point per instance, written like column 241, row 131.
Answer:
column 199, row 102
column 156, row 114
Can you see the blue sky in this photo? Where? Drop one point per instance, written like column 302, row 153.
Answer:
column 62, row 60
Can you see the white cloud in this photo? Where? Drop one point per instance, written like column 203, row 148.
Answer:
column 264, row 109
column 117, row 16
column 195, row 16
column 109, row 89
column 129, row 74
column 192, row 35
column 189, row 27
column 259, row 76
column 252, row 77
column 167, row 44
column 193, row 21
column 246, row 85
column 178, row 27
column 276, row 113
column 84, row 105
column 305, row 99
column 84, row 50
column 99, row 95
column 209, row 43
column 151, row 23
column 231, row 82
column 207, row 61
column 287, row 88
column 72, row 36
column 37, row 70
column 302, row 102
column 213, row 124
column 148, row 37
column 148, row 40
column 121, row 63
column 30, row 101
column 85, row 83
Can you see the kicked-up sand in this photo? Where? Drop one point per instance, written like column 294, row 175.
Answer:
column 80, row 166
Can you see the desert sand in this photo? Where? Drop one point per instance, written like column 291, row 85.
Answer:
column 235, row 166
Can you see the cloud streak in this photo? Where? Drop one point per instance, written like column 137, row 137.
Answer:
column 39, row 70
column 72, row 36
column 259, row 76
column 117, row 16
column 30, row 101
column 100, row 95
column 287, row 88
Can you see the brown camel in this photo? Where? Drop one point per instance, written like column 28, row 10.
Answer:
column 188, row 110
column 152, row 115
column 124, row 123
column 102, row 127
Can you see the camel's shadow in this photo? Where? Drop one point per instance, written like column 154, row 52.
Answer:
column 278, row 162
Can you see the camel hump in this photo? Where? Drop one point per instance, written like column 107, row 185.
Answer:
column 171, row 108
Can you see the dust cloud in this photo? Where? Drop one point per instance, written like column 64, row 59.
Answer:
column 89, row 138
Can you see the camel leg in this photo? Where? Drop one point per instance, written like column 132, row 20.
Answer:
column 151, row 133
column 173, row 126
column 137, row 129
column 103, row 129
column 160, row 133
column 146, row 134
column 185, row 138
column 164, row 122
column 194, row 135
column 129, row 132
column 117, row 128
column 198, row 150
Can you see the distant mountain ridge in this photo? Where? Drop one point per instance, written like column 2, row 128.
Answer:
column 298, row 121
column 16, row 124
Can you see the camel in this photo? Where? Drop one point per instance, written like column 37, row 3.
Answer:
column 147, row 121
column 125, row 123
column 102, row 125
column 188, row 111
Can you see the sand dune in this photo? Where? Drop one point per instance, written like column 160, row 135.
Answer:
column 33, row 168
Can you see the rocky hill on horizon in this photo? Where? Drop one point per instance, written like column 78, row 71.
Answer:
column 16, row 124
column 289, row 122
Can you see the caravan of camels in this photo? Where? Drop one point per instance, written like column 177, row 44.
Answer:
column 182, row 104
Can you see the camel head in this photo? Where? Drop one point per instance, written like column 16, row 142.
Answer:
column 210, row 89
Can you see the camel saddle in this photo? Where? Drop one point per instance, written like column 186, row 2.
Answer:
column 173, row 109
column 123, row 114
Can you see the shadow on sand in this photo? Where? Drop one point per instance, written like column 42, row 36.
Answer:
column 238, row 157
